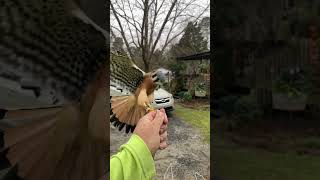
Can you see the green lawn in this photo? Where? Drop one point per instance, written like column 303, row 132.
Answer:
column 243, row 163
column 196, row 118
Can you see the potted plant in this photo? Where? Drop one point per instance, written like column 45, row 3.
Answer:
column 291, row 90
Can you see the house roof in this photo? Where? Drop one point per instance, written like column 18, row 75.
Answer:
column 198, row 56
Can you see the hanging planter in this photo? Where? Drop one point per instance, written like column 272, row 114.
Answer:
column 200, row 90
column 200, row 93
column 291, row 90
column 281, row 101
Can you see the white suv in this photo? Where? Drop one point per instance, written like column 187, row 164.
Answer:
column 162, row 98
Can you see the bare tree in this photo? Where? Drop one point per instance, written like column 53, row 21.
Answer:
column 153, row 24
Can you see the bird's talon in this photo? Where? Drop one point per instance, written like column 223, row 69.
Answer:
column 149, row 107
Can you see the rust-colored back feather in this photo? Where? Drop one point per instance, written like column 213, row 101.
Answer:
column 128, row 110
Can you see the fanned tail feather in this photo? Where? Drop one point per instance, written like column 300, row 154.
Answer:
column 125, row 112
column 28, row 147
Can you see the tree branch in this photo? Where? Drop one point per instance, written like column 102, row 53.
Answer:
column 163, row 25
column 122, row 31
column 170, row 40
column 135, row 22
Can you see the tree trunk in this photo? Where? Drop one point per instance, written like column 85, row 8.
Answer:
column 146, row 63
column 146, row 67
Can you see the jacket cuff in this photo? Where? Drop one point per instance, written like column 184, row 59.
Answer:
column 141, row 150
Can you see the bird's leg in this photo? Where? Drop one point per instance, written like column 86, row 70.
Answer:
column 148, row 107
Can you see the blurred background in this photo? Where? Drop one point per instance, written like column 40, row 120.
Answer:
column 266, row 94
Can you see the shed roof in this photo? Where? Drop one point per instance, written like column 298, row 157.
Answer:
column 198, row 56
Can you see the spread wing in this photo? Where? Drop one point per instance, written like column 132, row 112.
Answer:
column 124, row 73
column 46, row 52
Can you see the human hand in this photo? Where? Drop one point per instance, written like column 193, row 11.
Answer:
column 148, row 129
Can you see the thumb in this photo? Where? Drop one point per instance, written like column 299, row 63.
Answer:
column 151, row 114
column 158, row 119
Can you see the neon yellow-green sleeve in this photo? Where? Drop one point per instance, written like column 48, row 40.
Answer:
column 133, row 161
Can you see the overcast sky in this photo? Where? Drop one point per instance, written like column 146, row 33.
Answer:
column 193, row 10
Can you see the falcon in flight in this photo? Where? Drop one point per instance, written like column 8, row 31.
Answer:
column 128, row 109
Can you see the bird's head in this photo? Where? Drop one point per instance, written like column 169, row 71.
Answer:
column 151, row 82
